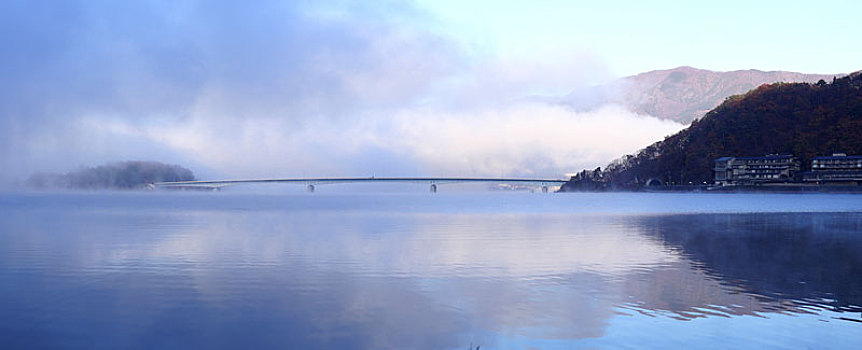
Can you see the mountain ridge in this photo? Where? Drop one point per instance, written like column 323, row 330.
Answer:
column 681, row 94
column 797, row 118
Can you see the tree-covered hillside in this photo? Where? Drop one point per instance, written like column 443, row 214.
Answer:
column 123, row 175
column 802, row 119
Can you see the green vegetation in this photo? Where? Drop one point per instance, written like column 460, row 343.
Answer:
column 123, row 175
column 802, row 119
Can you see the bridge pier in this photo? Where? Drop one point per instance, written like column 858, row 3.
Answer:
column 312, row 182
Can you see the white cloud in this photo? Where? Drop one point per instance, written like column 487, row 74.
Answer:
column 293, row 90
column 525, row 139
column 528, row 139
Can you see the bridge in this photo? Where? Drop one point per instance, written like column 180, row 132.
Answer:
column 310, row 183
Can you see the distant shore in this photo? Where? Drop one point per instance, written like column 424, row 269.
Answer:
column 771, row 188
column 767, row 188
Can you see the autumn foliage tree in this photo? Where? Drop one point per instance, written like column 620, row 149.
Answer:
column 805, row 120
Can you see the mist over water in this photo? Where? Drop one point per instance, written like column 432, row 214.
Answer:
column 279, row 89
column 420, row 270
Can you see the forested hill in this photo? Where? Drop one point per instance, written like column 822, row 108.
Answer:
column 803, row 119
column 122, row 175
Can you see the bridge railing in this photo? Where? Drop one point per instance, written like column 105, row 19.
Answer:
column 312, row 182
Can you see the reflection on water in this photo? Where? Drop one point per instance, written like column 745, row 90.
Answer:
column 423, row 272
column 798, row 261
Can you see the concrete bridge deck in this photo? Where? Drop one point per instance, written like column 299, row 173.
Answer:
column 312, row 182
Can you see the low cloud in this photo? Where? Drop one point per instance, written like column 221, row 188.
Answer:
column 288, row 89
column 525, row 139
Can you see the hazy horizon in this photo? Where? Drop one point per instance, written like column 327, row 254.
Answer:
column 392, row 88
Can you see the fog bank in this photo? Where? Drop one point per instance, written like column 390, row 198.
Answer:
column 288, row 89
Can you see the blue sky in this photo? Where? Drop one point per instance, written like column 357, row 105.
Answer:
column 633, row 36
column 353, row 88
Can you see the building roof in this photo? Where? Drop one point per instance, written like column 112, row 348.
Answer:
column 836, row 157
column 769, row 157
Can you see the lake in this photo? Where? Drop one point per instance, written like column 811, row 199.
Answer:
column 430, row 271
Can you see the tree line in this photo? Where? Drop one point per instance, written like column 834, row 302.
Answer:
column 121, row 175
column 802, row 119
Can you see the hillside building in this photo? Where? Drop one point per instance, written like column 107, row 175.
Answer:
column 755, row 170
column 836, row 169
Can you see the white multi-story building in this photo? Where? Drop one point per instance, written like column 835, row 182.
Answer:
column 755, row 170
column 838, row 168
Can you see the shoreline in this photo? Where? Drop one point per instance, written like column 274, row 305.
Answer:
column 774, row 188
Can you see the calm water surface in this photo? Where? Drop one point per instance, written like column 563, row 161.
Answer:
column 383, row 271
